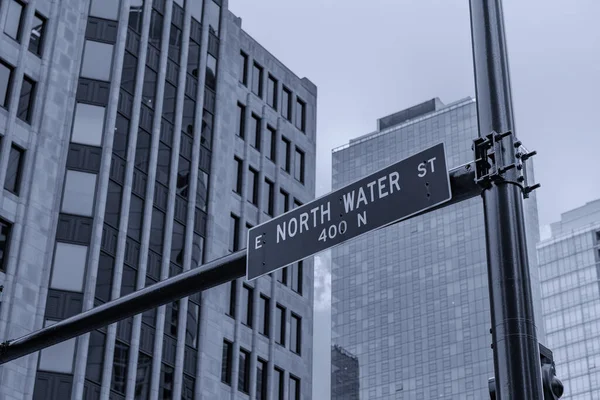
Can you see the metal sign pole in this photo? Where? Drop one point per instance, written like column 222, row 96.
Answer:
column 516, row 354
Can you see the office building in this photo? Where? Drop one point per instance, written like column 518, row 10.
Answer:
column 141, row 138
column 569, row 263
column 344, row 375
column 410, row 301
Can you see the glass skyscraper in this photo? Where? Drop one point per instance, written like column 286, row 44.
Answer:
column 139, row 139
column 410, row 301
column 570, row 276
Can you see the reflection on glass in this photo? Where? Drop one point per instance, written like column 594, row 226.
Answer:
column 36, row 39
column 135, row 15
column 13, row 19
column 143, row 376
column 213, row 17
column 211, row 72
column 207, row 125
column 5, row 80
column 156, row 29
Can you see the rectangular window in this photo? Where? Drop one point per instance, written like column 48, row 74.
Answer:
column 12, row 183
column 296, row 334
column 243, row 68
column 253, row 186
column 297, row 271
column 169, row 98
column 6, row 72
column 282, row 275
column 227, row 362
column 119, row 367
column 156, row 29
column 97, row 60
column 301, row 115
column 230, row 307
column 5, row 229
column 69, row 267
column 255, row 132
column 234, row 227
column 129, row 72
column 241, row 118
column 104, row 277
column 294, row 392
column 263, row 315
column 78, row 196
column 95, row 358
column 244, row 372
column 269, row 197
column 278, row 384
column 175, row 43
column 257, row 76
column 165, row 389
column 26, row 99
column 284, row 202
column 280, row 325
column 88, row 127
column 299, row 165
column 285, row 154
column 211, row 72
column 13, row 19
column 272, row 92
column 261, row 380
column 36, row 40
column 286, row 104
column 191, row 325
column 149, row 87
column 213, row 16
column 271, row 143
column 238, row 170
column 247, row 305
column 59, row 357
column 143, row 376
column 136, row 214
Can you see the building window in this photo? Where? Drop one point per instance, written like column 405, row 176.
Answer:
column 271, row 143
column 211, row 72
column 136, row 214
column 169, row 98
column 255, row 132
column 12, row 183
column 26, row 99
column 294, row 392
column 286, row 104
column 105, row 9
column 282, row 275
column 95, row 358
column 97, row 60
column 119, row 367
column 213, row 17
column 234, row 227
column 285, row 154
column 59, row 357
column 193, row 61
column 177, row 243
column 272, row 92
column 299, row 165
column 297, row 277
column 13, row 19
column 257, row 76
column 172, row 318
column 104, row 277
column 238, row 170
column 246, row 302
column 280, row 325
column 135, row 16
column 296, row 334
column 5, row 229
column 88, row 125
column 149, row 87
column 284, row 201
column 129, row 72
column 297, row 203
column 227, row 362
column 301, row 115
column 278, row 384
column 244, row 373
column 191, row 328
column 175, row 43
column 156, row 29
column 253, row 186
column 241, row 118
column 157, row 230
column 36, row 40
column 68, row 267
column 269, row 197
column 261, row 380
column 264, row 315
column 6, row 72
column 230, row 308
column 243, row 68
column 166, row 382
column 143, row 376
column 78, row 196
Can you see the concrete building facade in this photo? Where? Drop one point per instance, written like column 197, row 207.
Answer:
column 570, row 277
column 411, row 300
column 140, row 139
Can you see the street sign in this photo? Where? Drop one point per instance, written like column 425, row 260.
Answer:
column 399, row 191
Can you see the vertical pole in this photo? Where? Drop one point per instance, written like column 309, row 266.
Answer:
column 516, row 354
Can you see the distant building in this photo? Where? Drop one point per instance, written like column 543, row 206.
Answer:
column 344, row 375
column 569, row 269
column 140, row 139
column 410, row 301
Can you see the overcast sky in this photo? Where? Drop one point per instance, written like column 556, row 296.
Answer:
column 372, row 58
